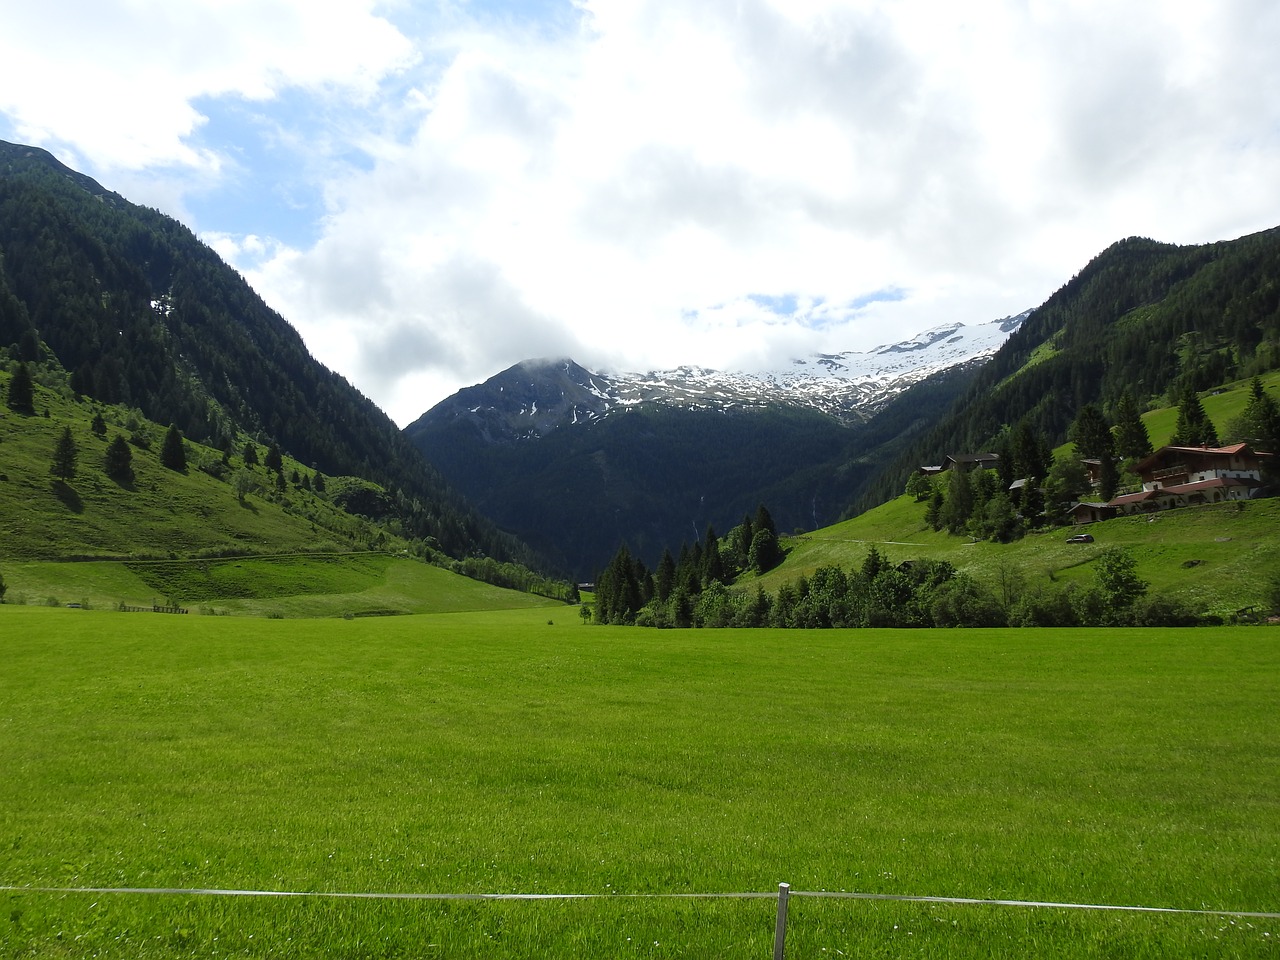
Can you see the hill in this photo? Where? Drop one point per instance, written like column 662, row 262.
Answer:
column 1219, row 558
column 893, row 566
column 125, row 306
column 1145, row 317
column 299, row 540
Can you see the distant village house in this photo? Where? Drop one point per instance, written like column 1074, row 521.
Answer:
column 1188, row 476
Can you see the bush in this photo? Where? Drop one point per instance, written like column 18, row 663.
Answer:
column 1164, row 611
column 960, row 602
column 1046, row 608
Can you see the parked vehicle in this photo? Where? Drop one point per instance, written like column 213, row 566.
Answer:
column 1081, row 538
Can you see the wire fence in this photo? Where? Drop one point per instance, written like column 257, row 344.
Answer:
column 782, row 895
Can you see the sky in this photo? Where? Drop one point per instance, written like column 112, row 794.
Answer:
column 431, row 192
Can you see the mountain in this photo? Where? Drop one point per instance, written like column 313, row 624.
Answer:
column 124, row 305
column 575, row 461
column 535, row 397
column 1145, row 317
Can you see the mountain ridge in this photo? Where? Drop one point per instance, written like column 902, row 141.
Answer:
column 122, row 304
column 534, row 396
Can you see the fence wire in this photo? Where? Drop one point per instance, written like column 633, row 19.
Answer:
column 772, row 895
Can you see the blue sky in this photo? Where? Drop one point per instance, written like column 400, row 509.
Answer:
column 432, row 192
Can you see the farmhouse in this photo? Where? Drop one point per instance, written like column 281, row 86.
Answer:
column 1086, row 512
column 964, row 462
column 1188, row 476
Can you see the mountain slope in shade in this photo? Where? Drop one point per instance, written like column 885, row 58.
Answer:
column 569, row 462
column 138, row 312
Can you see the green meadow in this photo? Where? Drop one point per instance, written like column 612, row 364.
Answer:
column 521, row 751
column 288, row 585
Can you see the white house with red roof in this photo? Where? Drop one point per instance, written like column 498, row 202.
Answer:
column 1188, row 476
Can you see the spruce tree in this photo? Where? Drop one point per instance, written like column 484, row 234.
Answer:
column 765, row 522
column 1259, row 422
column 1132, row 440
column 274, row 461
column 1091, row 434
column 117, row 462
column 22, row 392
column 712, row 562
column 1031, row 451
column 765, row 554
column 99, row 426
column 665, row 578
column 172, row 454
column 64, row 456
column 1194, row 428
column 250, row 454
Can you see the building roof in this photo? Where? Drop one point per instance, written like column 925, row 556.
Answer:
column 1140, row 497
column 1233, row 450
column 1211, row 484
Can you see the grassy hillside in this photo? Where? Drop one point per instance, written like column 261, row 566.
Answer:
column 293, row 547
column 163, row 512
column 1144, row 317
column 1220, row 558
column 496, row 753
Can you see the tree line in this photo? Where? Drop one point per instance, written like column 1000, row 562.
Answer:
column 627, row 591
column 915, row 593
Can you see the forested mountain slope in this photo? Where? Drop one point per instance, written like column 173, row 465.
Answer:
column 1147, row 317
column 141, row 313
column 656, row 475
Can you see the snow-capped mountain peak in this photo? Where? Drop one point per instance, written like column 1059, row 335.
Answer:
column 536, row 396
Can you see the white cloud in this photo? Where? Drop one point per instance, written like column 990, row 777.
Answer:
column 117, row 80
column 628, row 182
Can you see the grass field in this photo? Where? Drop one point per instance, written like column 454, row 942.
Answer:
column 497, row 752
column 290, row 585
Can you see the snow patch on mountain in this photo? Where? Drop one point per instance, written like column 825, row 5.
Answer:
column 536, row 396
column 849, row 386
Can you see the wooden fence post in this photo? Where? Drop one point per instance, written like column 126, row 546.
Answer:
column 780, row 928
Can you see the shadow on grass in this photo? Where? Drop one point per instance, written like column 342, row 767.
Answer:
column 67, row 494
column 246, row 505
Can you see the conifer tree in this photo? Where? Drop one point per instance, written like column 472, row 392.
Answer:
column 1259, row 422
column 1091, row 434
column 117, row 461
column 64, row 456
column 712, row 562
column 765, row 554
column 22, row 392
column 274, row 461
column 765, row 522
column 1132, row 440
column 99, row 426
column 1194, row 428
column 1032, row 454
column 172, row 454
column 665, row 578
column 250, row 454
